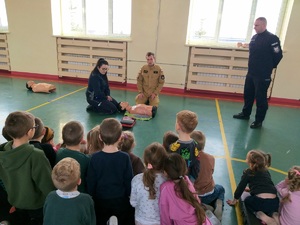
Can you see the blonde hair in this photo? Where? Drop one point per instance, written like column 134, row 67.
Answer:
column 127, row 141
column 94, row 144
column 293, row 181
column 66, row 174
column 187, row 120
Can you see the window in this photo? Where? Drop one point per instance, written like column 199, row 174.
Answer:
column 225, row 22
column 3, row 17
column 91, row 18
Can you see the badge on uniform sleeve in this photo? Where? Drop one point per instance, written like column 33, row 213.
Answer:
column 162, row 77
column 276, row 49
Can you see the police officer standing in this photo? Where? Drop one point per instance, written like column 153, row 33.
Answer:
column 150, row 81
column 264, row 54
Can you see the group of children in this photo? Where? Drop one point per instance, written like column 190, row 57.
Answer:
column 103, row 180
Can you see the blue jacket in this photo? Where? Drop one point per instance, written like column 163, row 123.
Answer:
column 265, row 54
column 98, row 88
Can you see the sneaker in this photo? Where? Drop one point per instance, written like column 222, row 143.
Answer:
column 219, row 209
column 255, row 125
column 241, row 116
column 113, row 220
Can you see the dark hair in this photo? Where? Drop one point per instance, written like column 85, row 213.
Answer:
column 27, row 86
column 39, row 128
column 154, row 155
column 175, row 167
column 149, row 54
column 100, row 62
column 169, row 138
column 5, row 135
column 258, row 159
column 110, row 131
column 200, row 138
column 72, row 133
column 49, row 135
column 18, row 123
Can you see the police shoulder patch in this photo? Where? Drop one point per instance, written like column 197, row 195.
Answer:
column 276, row 49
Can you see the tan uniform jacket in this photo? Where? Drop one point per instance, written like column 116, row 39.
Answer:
column 150, row 80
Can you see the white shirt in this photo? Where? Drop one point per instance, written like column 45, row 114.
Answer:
column 146, row 210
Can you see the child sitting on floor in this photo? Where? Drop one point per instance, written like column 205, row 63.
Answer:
column 186, row 122
column 263, row 194
column 289, row 192
column 209, row 192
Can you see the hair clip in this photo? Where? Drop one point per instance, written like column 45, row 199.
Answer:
column 149, row 166
column 125, row 136
column 297, row 172
column 180, row 177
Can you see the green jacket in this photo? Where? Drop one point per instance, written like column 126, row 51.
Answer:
column 26, row 174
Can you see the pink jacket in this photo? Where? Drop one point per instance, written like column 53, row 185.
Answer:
column 174, row 210
column 289, row 211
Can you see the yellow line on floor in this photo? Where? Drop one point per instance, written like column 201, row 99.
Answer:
column 270, row 168
column 46, row 103
column 229, row 164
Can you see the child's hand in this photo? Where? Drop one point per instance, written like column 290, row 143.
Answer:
column 231, row 202
column 247, row 189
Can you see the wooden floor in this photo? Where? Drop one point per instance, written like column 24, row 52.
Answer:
column 228, row 139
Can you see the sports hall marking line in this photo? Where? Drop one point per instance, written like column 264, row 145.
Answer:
column 56, row 99
column 229, row 164
column 244, row 161
column 270, row 168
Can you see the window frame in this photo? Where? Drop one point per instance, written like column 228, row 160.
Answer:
column 216, row 38
column 58, row 23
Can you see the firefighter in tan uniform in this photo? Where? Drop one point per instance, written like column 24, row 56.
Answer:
column 150, row 81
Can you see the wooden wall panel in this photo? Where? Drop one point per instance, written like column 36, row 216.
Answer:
column 77, row 57
column 4, row 53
